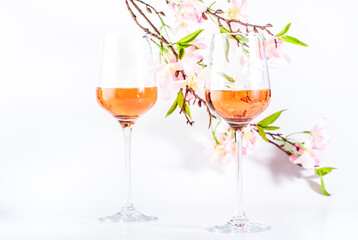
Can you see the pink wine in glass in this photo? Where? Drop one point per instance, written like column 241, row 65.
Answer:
column 238, row 107
column 127, row 104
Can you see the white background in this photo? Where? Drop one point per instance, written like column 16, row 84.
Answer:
column 60, row 154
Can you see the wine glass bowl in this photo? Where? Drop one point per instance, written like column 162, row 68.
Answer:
column 238, row 90
column 127, row 104
column 127, row 89
column 238, row 107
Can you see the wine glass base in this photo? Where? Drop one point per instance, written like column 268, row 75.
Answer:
column 128, row 214
column 239, row 226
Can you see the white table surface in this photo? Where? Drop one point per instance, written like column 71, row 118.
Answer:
column 287, row 223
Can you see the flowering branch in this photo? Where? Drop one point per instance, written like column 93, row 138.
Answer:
column 178, row 48
column 308, row 154
column 178, row 55
column 182, row 69
column 230, row 21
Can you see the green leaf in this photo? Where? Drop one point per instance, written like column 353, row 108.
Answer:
column 284, row 31
column 224, row 30
column 187, row 110
column 234, row 36
column 180, row 98
column 323, row 171
column 181, row 52
column 269, row 127
column 209, row 8
column 244, row 50
column 305, row 132
column 227, row 77
column 323, row 188
column 180, row 101
column 227, row 43
column 191, row 37
column 172, row 108
column 241, row 38
column 227, row 49
column 262, row 133
column 237, row 36
column 292, row 40
column 215, row 138
column 186, row 45
column 270, row 119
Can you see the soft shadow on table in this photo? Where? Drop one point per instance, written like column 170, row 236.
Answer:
column 280, row 166
column 282, row 169
column 314, row 185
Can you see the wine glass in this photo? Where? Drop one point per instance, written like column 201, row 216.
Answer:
column 127, row 89
column 238, row 90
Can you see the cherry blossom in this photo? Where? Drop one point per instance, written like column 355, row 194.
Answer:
column 188, row 14
column 224, row 150
column 174, row 74
column 314, row 148
column 238, row 10
column 275, row 51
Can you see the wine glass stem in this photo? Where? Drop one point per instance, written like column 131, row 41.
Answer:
column 239, row 208
column 127, row 131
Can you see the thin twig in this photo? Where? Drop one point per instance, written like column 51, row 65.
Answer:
column 274, row 137
column 149, row 6
column 201, row 101
column 147, row 19
column 186, row 102
column 229, row 21
column 156, row 34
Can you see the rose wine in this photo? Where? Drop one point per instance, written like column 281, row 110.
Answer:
column 127, row 104
column 238, row 107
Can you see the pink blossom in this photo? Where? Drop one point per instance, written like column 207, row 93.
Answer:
column 319, row 135
column 318, row 141
column 169, row 80
column 193, row 51
column 225, row 149
column 314, row 148
column 249, row 140
column 199, row 43
column 275, row 55
column 298, row 150
column 271, row 50
column 188, row 14
column 218, row 151
column 238, row 10
column 306, row 159
column 171, row 75
column 171, row 6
